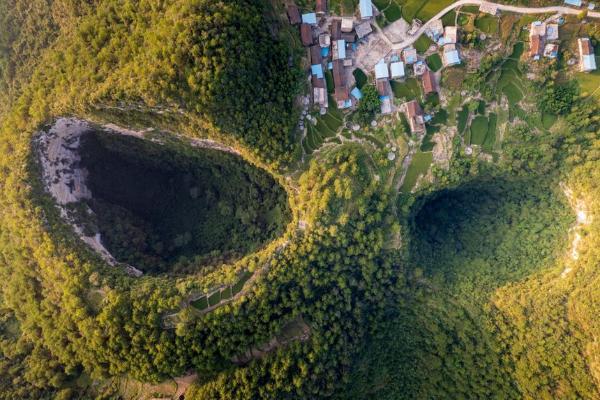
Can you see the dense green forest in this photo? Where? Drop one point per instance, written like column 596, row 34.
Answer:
column 481, row 298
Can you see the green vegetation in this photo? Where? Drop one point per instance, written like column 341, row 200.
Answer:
column 487, row 24
column 361, row 77
column 423, row 43
column 469, row 285
column 409, row 90
column 369, row 105
column 479, row 129
column 419, row 166
column 434, row 62
column 422, row 10
column 449, row 19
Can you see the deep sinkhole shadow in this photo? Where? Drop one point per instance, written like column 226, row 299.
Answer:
column 172, row 207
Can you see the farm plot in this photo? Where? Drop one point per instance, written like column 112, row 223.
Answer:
column 326, row 127
column 510, row 82
column 479, row 129
column 434, row 62
column 589, row 83
column 390, row 9
column 410, row 90
column 490, row 138
column 487, row 24
column 360, row 77
column 419, row 166
column 422, row 43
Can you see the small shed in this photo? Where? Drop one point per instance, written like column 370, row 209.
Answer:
column 306, row 35
column 341, row 49
column 397, row 69
column 347, row 24
column 317, row 70
column 383, row 88
column 309, row 18
column 356, row 93
column 381, row 71
column 551, row 50
column 293, row 14
column 324, row 40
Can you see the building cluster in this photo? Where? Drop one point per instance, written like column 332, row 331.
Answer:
column 543, row 40
column 330, row 42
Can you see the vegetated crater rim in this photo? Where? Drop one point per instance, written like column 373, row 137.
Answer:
column 57, row 148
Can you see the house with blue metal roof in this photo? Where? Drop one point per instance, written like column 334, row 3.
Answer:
column 575, row 3
column 366, row 9
column 356, row 93
column 317, row 70
column 309, row 18
column 450, row 55
column 381, row 70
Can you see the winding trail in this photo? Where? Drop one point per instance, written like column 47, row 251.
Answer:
column 501, row 7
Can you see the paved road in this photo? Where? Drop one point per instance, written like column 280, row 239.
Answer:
column 501, row 7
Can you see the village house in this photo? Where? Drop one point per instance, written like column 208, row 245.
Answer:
column 450, row 55
column 321, row 7
column 409, row 55
column 537, row 34
column 551, row 32
column 319, row 92
column 397, row 70
column 339, row 49
column 341, row 94
column 293, row 14
column 574, row 3
column 450, row 35
column 429, row 84
column 587, row 60
column 414, row 115
column 381, row 70
column 366, row 9
column 419, row 68
column 435, row 30
column 363, row 29
column 535, row 47
column 306, row 34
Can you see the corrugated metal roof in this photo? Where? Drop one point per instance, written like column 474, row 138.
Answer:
column 576, row 3
column 309, row 18
column 381, row 71
column 589, row 62
column 452, row 57
column 397, row 69
column 317, row 70
column 366, row 9
column 341, row 45
column 356, row 93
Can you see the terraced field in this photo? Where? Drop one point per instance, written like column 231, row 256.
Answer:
column 327, row 126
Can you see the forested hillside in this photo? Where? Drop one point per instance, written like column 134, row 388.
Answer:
column 482, row 283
